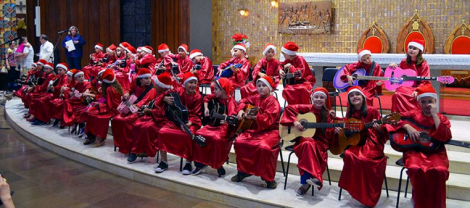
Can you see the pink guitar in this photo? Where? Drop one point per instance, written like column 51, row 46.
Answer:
column 393, row 78
column 126, row 106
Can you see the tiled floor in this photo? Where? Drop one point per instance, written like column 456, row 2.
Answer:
column 44, row 179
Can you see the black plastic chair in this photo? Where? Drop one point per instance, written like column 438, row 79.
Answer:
column 286, row 174
column 400, row 162
column 328, row 76
column 385, row 181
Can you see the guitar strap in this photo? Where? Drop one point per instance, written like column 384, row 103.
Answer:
column 142, row 95
column 371, row 73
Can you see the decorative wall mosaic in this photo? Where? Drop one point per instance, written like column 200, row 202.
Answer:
column 350, row 20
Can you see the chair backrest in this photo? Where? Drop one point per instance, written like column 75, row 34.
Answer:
column 327, row 79
column 216, row 68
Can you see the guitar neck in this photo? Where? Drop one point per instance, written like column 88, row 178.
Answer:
column 419, row 78
column 458, row 143
column 323, row 125
column 371, row 78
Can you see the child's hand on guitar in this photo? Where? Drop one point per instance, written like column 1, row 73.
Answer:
column 350, row 80
column 169, row 100
column 206, row 112
column 414, row 94
column 222, row 122
column 379, row 83
column 282, row 74
column 377, row 126
column 412, row 133
column 332, row 113
column 298, row 126
column 337, row 130
column 147, row 111
column 240, row 114
column 392, row 65
column 189, row 124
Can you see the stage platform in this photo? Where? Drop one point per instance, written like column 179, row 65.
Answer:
column 249, row 193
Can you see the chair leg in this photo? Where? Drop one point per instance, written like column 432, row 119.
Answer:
column 282, row 163
column 313, row 190
column 227, row 161
column 328, row 172
column 158, row 156
column 386, row 186
column 287, row 171
column 406, row 187
column 181, row 165
column 399, row 186
column 275, row 94
column 380, row 105
column 339, row 197
column 341, row 105
column 115, row 148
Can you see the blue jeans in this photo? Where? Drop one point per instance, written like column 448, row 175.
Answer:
column 75, row 62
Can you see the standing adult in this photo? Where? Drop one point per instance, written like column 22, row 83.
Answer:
column 74, row 57
column 26, row 56
column 13, row 72
column 46, row 50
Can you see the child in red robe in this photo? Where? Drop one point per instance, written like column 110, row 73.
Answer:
column 364, row 166
column 182, row 59
column 404, row 98
column 96, row 62
column 146, row 128
column 39, row 95
column 202, row 67
column 298, row 93
column 370, row 88
column 428, row 171
column 240, row 74
column 311, row 151
column 121, row 125
column 171, row 138
column 267, row 66
column 219, row 138
column 257, row 148
column 148, row 60
column 97, row 122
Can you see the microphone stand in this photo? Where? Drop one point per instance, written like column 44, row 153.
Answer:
column 56, row 58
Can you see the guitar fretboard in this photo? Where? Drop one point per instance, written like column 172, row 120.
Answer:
column 322, row 125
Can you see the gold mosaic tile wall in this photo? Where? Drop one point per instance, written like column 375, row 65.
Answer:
column 351, row 19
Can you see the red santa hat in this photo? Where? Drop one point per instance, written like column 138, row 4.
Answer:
column 426, row 90
column 268, row 81
column 144, row 72
column 99, row 75
column 111, row 48
column 188, row 76
column 163, row 48
column 124, row 45
column 131, row 49
column 184, row 47
column 322, row 91
column 356, row 89
column 240, row 46
column 139, row 49
column 224, row 84
column 71, row 72
column 108, row 76
column 194, row 53
column 269, row 46
column 34, row 65
column 147, row 49
column 417, row 43
column 163, row 80
column 362, row 53
column 77, row 73
column 42, row 62
column 290, row 48
column 63, row 66
column 99, row 46
column 49, row 65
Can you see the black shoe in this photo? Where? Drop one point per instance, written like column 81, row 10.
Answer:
column 314, row 182
column 161, row 167
column 56, row 123
column 90, row 139
column 271, row 184
column 74, row 128
column 187, row 169
column 38, row 122
column 221, row 171
column 303, row 189
column 199, row 168
column 132, row 157
column 239, row 177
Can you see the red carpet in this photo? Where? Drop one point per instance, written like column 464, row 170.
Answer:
column 448, row 105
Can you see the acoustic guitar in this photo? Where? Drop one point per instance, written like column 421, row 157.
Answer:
column 309, row 122
column 179, row 114
column 401, row 142
column 216, row 107
column 231, row 120
column 246, row 123
column 352, row 137
column 227, row 72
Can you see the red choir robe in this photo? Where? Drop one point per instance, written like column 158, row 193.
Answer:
column 122, row 74
column 311, row 151
column 29, row 95
column 402, row 100
column 205, row 75
column 121, row 125
column 20, row 93
column 171, row 138
column 369, row 87
column 271, row 68
column 166, row 63
column 98, row 118
column 148, row 61
column 299, row 93
column 53, row 106
column 74, row 106
column 184, row 63
column 93, row 68
column 257, row 149
column 428, row 171
column 237, row 79
column 218, row 138
column 146, row 128
column 41, row 96
column 364, row 166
